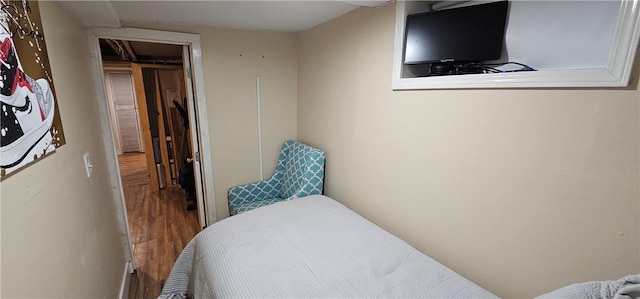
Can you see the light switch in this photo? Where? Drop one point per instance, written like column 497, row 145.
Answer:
column 87, row 164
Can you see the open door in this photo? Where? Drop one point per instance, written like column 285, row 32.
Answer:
column 195, row 138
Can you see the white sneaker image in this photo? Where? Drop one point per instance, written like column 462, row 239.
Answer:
column 26, row 111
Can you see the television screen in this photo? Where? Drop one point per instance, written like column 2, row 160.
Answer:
column 471, row 33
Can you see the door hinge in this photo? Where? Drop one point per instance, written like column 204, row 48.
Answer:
column 197, row 156
column 189, row 72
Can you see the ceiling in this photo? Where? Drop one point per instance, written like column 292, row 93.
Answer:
column 283, row 16
column 286, row 16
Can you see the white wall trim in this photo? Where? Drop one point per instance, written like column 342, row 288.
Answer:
column 205, row 145
column 126, row 281
column 203, row 129
column 110, row 146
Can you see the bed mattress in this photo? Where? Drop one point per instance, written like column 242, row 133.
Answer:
column 312, row 247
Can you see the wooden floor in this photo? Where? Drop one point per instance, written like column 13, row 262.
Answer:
column 160, row 226
column 133, row 169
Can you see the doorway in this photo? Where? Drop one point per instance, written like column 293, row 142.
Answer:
column 166, row 100
column 144, row 85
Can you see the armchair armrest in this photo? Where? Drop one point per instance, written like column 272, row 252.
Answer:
column 252, row 192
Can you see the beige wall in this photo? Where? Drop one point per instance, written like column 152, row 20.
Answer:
column 231, row 60
column 520, row 190
column 60, row 238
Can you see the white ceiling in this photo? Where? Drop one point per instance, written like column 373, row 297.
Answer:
column 288, row 16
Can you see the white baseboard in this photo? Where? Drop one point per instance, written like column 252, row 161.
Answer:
column 126, row 280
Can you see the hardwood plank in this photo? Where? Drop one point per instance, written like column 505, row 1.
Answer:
column 133, row 169
column 160, row 227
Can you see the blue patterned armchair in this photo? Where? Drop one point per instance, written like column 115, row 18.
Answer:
column 299, row 173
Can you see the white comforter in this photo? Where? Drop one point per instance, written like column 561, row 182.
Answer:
column 308, row 248
column 627, row 287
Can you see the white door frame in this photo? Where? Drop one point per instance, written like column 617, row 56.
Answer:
column 197, row 112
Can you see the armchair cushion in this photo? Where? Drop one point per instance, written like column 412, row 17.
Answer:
column 299, row 173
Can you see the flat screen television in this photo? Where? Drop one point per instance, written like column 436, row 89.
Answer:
column 466, row 34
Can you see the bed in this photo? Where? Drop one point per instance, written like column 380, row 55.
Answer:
column 312, row 247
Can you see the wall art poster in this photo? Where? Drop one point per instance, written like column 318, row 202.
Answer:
column 30, row 126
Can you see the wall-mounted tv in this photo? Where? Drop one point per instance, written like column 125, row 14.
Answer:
column 465, row 34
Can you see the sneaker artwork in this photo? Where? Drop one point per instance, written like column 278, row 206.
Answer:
column 26, row 111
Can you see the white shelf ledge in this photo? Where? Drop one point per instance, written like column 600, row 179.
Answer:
column 615, row 74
